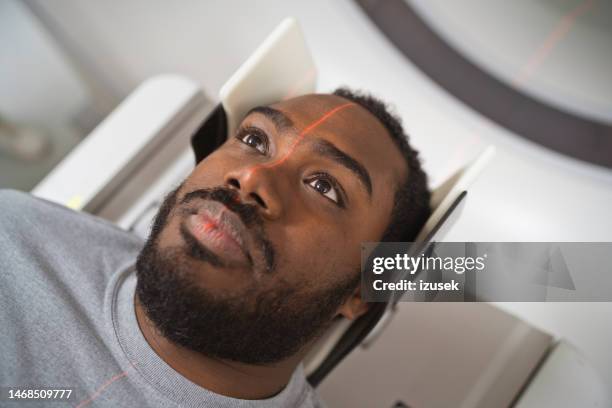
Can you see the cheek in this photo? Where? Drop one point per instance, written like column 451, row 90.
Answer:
column 311, row 254
column 210, row 172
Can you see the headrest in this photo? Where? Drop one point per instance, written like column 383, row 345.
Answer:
column 444, row 198
column 280, row 68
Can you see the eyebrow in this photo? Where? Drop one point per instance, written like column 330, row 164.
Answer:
column 280, row 120
column 330, row 151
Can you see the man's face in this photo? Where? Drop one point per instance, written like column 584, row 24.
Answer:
column 266, row 231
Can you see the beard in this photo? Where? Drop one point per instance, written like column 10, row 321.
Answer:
column 250, row 325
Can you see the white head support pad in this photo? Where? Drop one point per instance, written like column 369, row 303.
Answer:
column 279, row 69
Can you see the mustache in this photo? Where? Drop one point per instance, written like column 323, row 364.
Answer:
column 248, row 213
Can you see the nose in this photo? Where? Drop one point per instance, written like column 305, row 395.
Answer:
column 256, row 186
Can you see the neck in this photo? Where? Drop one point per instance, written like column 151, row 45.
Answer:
column 229, row 378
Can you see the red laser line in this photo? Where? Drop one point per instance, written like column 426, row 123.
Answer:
column 307, row 129
column 557, row 34
column 208, row 226
column 102, row 388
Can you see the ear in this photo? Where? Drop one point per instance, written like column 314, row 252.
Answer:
column 354, row 306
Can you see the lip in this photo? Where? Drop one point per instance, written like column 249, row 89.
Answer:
column 219, row 230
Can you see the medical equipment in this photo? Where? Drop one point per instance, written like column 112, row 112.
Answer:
column 142, row 150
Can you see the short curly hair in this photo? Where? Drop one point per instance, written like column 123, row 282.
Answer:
column 411, row 207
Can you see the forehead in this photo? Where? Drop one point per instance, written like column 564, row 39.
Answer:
column 352, row 129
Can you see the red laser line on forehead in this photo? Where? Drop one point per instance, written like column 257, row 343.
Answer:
column 307, row 129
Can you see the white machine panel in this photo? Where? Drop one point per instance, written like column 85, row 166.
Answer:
column 127, row 138
column 280, row 68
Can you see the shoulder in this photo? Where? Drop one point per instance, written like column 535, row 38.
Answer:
column 19, row 209
column 31, row 226
column 28, row 213
column 12, row 201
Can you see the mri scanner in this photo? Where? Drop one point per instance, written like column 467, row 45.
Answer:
column 398, row 354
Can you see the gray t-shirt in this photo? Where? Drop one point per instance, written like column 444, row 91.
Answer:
column 67, row 317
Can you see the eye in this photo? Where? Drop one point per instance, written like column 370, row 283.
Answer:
column 327, row 187
column 254, row 138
